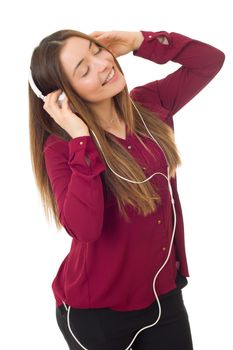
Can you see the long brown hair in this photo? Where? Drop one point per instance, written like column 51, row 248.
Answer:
column 48, row 74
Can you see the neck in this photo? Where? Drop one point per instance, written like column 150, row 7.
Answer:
column 107, row 114
column 112, row 123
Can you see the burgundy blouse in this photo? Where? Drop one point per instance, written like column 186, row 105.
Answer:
column 111, row 262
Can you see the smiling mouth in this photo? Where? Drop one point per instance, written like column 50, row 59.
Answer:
column 114, row 72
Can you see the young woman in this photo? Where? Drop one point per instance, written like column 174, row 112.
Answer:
column 105, row 164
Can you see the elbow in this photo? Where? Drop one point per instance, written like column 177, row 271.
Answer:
column 221, row 58
column 219, row 61
column 214, row 65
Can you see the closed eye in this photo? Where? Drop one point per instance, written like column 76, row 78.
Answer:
column 100, row 49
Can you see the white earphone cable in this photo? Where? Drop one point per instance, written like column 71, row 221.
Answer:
column 68, row 309
column 173, row 234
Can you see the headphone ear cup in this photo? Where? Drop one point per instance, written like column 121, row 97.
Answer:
column 61, row 97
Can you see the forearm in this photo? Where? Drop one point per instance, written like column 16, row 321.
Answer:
column 77, row 186
column 199, row 62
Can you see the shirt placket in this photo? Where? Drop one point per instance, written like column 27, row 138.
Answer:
column 131, row 145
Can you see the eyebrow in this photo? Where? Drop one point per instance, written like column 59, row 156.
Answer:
column 76, row 67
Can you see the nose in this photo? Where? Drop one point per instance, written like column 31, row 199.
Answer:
column 100, row 64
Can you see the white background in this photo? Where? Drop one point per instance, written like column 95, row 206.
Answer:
column 32, row 250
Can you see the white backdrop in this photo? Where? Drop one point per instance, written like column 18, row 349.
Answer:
column 32, row 250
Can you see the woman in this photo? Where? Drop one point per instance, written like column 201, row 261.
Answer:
column 111, row 185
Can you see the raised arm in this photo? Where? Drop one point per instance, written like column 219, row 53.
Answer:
column 199, row 61
column 77, row 185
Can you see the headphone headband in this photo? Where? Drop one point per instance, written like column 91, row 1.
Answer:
column 34, row 87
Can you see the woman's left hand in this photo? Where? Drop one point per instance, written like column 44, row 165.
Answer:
column 119, row 42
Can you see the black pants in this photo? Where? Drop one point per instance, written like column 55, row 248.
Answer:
column 106, row 329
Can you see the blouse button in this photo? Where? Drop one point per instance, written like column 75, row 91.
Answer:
column 164, row 248
column 159, row 221
column 144, row 168
column 129, row 147
column 81, row 142
column 150, row 36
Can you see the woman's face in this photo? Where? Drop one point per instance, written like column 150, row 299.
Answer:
column 87, row 78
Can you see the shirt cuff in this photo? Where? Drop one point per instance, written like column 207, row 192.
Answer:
column 152, row 47
column 82, row 146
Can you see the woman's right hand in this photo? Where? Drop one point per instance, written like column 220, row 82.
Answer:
column 63, row 115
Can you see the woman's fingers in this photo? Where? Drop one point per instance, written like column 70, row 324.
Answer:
column 52, row 96
column 51, row 99
column 103, row 37
column 96, row 33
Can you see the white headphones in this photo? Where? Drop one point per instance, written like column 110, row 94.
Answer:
column 38, row 92
column 61, row 97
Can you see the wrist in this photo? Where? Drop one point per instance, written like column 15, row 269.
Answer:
column 80, row 133
column 138, row 40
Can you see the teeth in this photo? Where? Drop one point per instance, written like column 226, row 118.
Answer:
column 109, row 76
